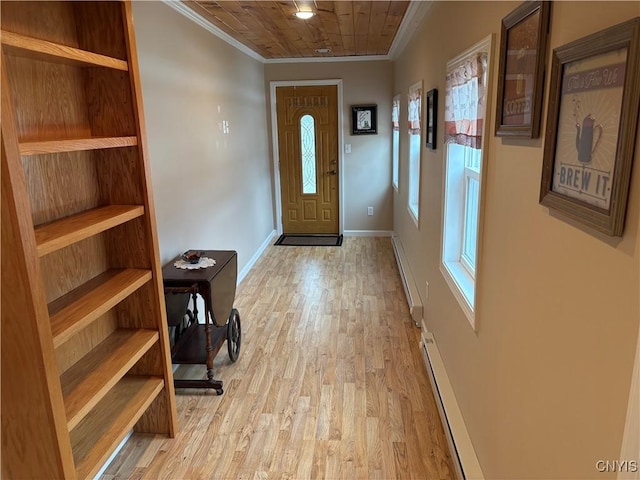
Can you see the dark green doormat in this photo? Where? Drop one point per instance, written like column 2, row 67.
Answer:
column 298, row 240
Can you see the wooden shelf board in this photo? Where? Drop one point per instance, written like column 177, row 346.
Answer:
column 97, row 436
column 25, row 46
column 67, row 231
column 74, row 311
column 91, row 378
column 75, row 145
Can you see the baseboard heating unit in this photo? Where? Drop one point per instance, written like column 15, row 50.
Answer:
column 463, row 455
column 409, row 284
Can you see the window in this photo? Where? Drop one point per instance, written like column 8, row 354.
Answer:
column 465, row 102
column 395, row 122
column 308, row 153
column 414, row 108
column 472, row 160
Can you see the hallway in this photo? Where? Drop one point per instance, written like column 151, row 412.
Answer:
column 330, row 382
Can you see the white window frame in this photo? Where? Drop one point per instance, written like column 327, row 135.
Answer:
column 395, row 147
column 459, row 274
column 414, row 161
column 468, row 175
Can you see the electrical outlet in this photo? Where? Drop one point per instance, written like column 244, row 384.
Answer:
column 369, row 211
column 426, row 289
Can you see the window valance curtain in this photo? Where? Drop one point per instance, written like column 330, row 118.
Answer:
column 414, row 110
column 465, row 102
column 395, row 115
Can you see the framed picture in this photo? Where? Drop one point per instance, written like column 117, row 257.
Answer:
column 364, row 119
column 591, row 127
column 431, row 118
column 523, row 47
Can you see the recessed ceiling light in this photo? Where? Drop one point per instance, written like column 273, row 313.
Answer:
column 323, row 50
column 304, row 15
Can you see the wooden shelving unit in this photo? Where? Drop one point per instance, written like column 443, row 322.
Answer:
column 79, row 308
column 25, row 46
column 85, row 350
column 74, row 145
column 67, row 231
column 99, row 433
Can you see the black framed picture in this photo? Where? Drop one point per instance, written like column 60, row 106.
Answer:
column 431, row 118
column 364, row 119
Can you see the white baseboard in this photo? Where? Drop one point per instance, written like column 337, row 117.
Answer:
column 243, row 273
column 463, row 455
column 368, row 233
column 408, row 282
column 113, row 455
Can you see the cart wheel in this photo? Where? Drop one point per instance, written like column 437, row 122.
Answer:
column 219, row 391
column 234, row 335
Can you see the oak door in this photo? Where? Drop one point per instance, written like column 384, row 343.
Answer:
column 308, row 151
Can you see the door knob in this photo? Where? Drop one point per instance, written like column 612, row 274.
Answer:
column 332, row 172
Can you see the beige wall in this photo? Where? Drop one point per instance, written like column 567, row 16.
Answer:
column 543, row 384
column 367, row 170
column 212, row 190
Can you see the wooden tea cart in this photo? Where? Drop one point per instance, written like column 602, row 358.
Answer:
column 198, row 343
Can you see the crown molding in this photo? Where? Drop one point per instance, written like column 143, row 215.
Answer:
column 354, row 58
column 180, row 7
column 416, row 11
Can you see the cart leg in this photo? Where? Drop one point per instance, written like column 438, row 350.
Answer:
column 209, row 347
column 194, row 299
column 216, row 384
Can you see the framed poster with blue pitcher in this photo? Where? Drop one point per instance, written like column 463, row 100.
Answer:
column 591, row 127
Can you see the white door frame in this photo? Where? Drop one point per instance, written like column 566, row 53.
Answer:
column 276, row 153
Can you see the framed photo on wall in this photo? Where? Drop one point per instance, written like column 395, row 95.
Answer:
column 431, row 118
column 364, row 120
column 523, row 47
column 591, row 127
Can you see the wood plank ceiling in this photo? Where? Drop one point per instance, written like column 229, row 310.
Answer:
column 270, row 28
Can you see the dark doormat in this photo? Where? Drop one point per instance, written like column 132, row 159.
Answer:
column 309, row 240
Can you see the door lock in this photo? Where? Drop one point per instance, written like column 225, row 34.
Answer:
column 332, row 172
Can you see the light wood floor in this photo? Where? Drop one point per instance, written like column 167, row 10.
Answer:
column 330, row 382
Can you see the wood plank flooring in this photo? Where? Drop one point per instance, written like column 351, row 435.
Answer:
column 330, row 383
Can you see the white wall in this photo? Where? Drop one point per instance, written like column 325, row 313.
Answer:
column 212, row 189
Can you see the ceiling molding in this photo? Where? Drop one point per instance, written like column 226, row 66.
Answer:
column 200, row 20
column 353, row 58
column 416, row 12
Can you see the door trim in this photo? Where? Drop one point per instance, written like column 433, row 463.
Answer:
column 276, row 154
